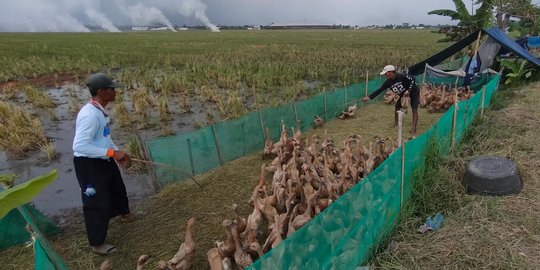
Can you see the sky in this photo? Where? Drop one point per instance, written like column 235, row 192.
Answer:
column 76, row 15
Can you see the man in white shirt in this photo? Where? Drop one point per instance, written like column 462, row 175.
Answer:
column 103, row 192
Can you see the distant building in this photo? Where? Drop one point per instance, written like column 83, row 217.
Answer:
column 298, row 26
column 164, row 28
column 139, row 28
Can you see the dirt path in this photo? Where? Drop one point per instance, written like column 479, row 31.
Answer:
column 484, row 232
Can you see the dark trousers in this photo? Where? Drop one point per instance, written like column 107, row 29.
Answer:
column 110, row 199
column 414, row 95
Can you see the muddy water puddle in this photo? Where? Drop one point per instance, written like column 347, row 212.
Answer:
column 64, row 195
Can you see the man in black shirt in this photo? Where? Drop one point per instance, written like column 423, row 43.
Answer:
column 403, row 85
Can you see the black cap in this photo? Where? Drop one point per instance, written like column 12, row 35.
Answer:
column 100, row 81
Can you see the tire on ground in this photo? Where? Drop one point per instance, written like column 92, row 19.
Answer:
column 490, row 175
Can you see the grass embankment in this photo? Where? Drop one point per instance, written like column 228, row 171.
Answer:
column 479, row 231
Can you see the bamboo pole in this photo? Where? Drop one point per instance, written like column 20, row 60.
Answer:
column 477, row 43
column 367, row 82
column 402, row 144
column 454, row 120
column 295, row 112
column 146, row 156
column 262, row 126
column 218, row 146
column 346, row 98
column 424, row 76
column 36, row 234
column 259, row 112
column 169, row 167
column 325, row 108
column 190, row 157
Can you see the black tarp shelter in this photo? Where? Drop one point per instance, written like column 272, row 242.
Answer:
column 494, row 33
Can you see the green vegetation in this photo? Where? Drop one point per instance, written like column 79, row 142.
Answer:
column 479, row 231
column 269, row 61
column 23, row 193
column 520, row 70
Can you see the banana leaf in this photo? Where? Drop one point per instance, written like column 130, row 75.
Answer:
column 25, row 192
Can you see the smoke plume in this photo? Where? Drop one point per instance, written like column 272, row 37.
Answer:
column 101, row 20
column 144, row 15
column 73, row 15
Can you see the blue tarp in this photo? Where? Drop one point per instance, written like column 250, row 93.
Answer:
column 505, row 41
column 533, row 42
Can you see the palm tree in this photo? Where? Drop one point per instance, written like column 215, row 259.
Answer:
column 467, row 23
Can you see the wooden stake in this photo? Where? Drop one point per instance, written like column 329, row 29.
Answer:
column 218, row 147
column 346, row 99
column 262, row 126
column 402, row 144
column 454, row 120
column 424, row 76
column 190, row 157
column 367, row 82
column 400, row 126
column 169, row 167
column 146, row 156
column 325, row 110
column 477, row 43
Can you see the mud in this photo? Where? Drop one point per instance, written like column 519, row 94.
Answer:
column 64, row 194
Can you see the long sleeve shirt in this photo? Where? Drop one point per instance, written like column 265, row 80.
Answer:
column 92, row 133
column 399, row 85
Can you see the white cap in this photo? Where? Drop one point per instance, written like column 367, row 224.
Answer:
column 388, row 68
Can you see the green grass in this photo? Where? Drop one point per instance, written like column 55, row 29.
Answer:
column 479, row 231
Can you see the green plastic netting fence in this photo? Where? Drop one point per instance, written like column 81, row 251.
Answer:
column 211, row 146
column 343, row 236
column 347, row 233
column 13, row 231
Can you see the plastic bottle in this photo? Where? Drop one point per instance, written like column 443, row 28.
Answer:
column 90, row 190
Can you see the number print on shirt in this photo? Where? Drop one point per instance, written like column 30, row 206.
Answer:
column 398, row 88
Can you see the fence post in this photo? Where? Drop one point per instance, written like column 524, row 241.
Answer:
column 454, row 119
column 147, row 156
column 325, row 108
column 402, row 144
column 346, row 98
column 218, row 147
column 262, row 127
column 424, row 75
column 190, row 157
column 367, row 82
column 295, row 112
